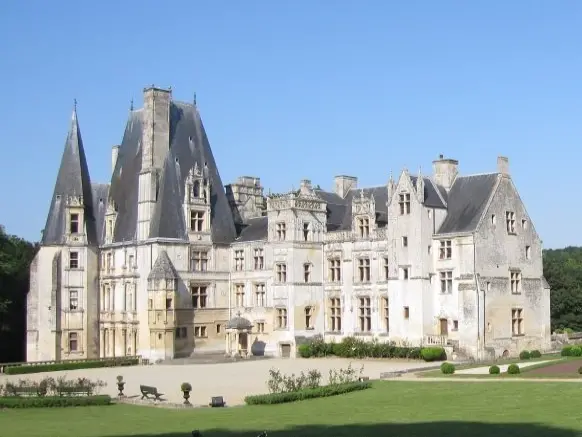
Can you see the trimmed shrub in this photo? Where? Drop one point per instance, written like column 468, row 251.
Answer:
column 37, row 368
column 513, row 369
column 567, row 351
column 576, row 351
column 309, row 393
column 494, row 370
column 524, row 355
column 447, row 368
column 304, row 351
column 535, row 354
column 54, row 401
column 433, row 354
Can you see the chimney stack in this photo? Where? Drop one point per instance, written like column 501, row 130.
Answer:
column 343, row 184
column 503, row 165
column 445, row 171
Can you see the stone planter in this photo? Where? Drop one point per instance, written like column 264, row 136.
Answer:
column 186, row 397
column 120, row 386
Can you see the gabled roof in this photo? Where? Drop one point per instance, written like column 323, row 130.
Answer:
column 163, row 268
column 188, row 145
column 72, row 180
column 467, row 199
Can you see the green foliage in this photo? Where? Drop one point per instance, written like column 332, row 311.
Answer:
column 433, row 354
column 447, row 368
column 307, row 393
column 571, row 351
column 48, row 387
column 281, row 383
column 16, row 255
column 535, row 354
column 524, row 355
column 580, row 370
column 513, row 369
column 186, row 386
column 26, row 369
column 494, row 370
column 351, row 347
column 54, row 401
column 563, row 271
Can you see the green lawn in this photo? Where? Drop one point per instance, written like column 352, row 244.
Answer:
column 395, row 408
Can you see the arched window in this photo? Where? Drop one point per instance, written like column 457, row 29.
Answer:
column 196, row 190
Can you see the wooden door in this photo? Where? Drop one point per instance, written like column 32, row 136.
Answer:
column 444, row 325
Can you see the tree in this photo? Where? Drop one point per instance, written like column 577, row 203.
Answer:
column 563, row 271
column 16, row 254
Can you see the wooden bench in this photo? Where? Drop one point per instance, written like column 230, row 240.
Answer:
column 147, row 390
column 78, row 390
column 27, row 390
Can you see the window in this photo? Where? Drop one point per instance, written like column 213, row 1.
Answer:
column 405, row 272
column 510, row 222
column 131, row 261
column 528, row 252
column 239, row 260
column 446, row 249
column 200, row 331
column 404, row 203
column 109, row 263
column 281, row 271
column 260, row 327
column 199, row 296
column 404, row 241
column 73, row 343
column 74, row 224
column 239, row 295
column 335, row 270
column 260, row 299
column 181, row 332
column 493, row 219
column 109, row 229
column 150, row 303
column 281, row 231
column 385, row 267
column 218, row 328
column 168, row 304
column 282, row 318
column 446, row 278
column 455, row 325
column 196, row 221
column 523, row 223
column 335, row 312
column 363, row 227
column 429, row 249
column 429, row 212
column 306, row 229
column 73, row 260
column 306, row 272
column 406, row 313
column 195, row 193
column 516, row 282
column 364, row 269
column 73, row 300
column 259, row 259
column 198, row 260
column 517, row 321
column 365, row 317
column 386, row 314
column 308, row 318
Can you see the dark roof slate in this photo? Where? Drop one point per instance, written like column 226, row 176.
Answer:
column 254, row 229
column 163, row 268
column 72, row 180
column 467, row 199
column 100, row 194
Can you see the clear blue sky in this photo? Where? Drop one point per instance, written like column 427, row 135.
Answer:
column 303, row 89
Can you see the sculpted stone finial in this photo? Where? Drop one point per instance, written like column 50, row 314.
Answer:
column 196, row 169
column 131, row 105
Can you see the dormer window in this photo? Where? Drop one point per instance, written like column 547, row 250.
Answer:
column 196, row 190
column 404, row 203
column 74, row 224
column 306, row 231
column 196, row 221
column 363, row 227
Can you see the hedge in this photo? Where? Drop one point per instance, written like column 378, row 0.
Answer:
column 351, row 347
column 571, row 351
column 37, row 368
column 310, row 393
column 54, row 401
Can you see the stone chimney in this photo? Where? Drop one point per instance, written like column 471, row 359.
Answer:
column 343, row 184
column 114, row 156
column 245, row 197
column 445, row 171
column 156, row 126
column 503, row 165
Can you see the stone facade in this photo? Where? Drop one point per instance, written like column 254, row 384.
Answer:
column 165, row 260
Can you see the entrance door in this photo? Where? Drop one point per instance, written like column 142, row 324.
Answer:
column 243, row 342
column 286, row 350
column 444, row 324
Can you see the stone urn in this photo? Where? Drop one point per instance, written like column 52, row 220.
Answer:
column 186, row 388
column 120, row 386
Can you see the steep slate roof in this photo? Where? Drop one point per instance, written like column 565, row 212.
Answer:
column 467, row 200
column 163, row 268
column 188, row 145
column 72, row 180
column 100, row 194
column 254, row 229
